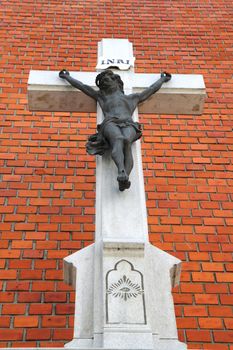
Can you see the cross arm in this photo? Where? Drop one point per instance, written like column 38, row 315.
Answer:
column 183, row 94
column 48, row 92
column 145, row 94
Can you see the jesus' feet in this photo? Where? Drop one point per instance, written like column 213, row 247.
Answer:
column 123, row 180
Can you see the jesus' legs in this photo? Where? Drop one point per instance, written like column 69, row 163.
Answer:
column 128, row 157
column 117, row 141
column 118, row 157
column 129, row 135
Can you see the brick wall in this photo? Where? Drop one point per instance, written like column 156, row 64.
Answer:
column 47, row 188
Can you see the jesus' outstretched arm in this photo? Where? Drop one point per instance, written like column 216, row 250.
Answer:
column 88, row 90
column 144, row 95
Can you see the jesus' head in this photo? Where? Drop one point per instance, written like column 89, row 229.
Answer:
column 107, row 80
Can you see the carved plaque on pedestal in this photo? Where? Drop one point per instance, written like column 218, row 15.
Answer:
column 125, row 302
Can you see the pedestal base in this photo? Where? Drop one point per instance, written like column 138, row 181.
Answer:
column 123, row 297
column 176, row 345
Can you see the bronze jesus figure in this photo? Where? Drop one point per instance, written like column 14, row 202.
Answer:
column 118, row 130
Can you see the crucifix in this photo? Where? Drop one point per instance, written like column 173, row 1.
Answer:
column 118, row 130
column 123, row 283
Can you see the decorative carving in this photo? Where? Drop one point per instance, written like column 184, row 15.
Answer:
column 125, row 289
column 125, row 284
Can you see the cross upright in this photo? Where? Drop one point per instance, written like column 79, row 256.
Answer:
column 123, row 285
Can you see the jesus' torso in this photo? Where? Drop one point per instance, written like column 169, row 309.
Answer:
column 117, row 105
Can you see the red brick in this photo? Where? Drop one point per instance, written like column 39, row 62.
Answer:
column 39, row 201
column 45, row 264
column 191, row 288
column 40, row 309
column 38, row 334
column 186, row 323
column 43, row 286
column 28, row 193
column 13, row 309
column 210, row 323
column 61, row 286
column 216, row 347
column 229, row 267
column 47, row 227
column 8, row 275
column 195, row 310
column 224, row 277
column 26, row 321
column 17, row 285
column 71, row 245
column 182, row 299
column 6, row 297
column 216, row 288
column 212, row 267
column 224, row 257
column 206, row 299
column 5, row 322
column 49, row 245
column 35, row 235
column 30, row 297
column 63, row 334
column 52, row 297
column 58, row 254
column 11, row 334
column 199, row 256
column 3, row 244
column 198, row 336
column 33, row 254
column 228, row 323
column 21, row 244
column 30, row 275
column 202, row 276
column 221, row 310
column 13, row 254
column 28, row 344
column 226, row 299
column 53, row 321
column 223, row 336
column 2, row 263
column 55, row 344
column 65, row 309
column 25, row 226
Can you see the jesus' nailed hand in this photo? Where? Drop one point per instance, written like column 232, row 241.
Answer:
column 118, row 130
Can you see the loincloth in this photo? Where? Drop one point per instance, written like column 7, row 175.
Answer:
column 97, row 143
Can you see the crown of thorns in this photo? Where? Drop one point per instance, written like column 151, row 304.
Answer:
column 109, row 72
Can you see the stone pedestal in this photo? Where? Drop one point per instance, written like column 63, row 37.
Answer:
column 123, row 297
column 123, row 283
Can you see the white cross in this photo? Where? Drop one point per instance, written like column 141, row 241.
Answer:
column 123, row 286
column 184, row 94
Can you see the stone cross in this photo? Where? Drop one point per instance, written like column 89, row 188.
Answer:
column 123, row 284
